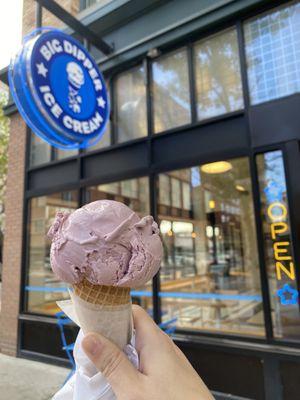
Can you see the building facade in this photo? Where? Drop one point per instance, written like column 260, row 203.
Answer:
column 204, row 135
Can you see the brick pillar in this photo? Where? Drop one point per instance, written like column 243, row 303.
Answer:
column 11, row 273
column 29, row 7
column 12, row 253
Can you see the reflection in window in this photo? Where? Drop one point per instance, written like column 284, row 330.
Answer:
column 176, row 192
column 210, row 271
column 105, row 140
column 100, row 3
column 132, row 192
column 44, row 289
column 272, row 49
column 135, row 194
column 171, row 95
column 60, row 154
column 218, row 76
column 278, row 246
column 130, row 95
column 40, row 151
column 165, row 192
column 186, row 196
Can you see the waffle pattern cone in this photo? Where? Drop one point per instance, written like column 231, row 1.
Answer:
column 100, row 294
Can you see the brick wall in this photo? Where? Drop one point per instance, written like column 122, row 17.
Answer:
column 29, row 9
column 12, row 262
column 13, row 236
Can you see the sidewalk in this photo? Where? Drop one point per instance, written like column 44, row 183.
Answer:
column 29, row 380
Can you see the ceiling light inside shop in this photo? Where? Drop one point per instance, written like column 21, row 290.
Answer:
column 209, row 231
column 182, row 227
column 240, row 188
column 212, row 204
column 218, row 167
column 165, row 227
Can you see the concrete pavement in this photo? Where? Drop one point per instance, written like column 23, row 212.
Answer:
column 29, row 380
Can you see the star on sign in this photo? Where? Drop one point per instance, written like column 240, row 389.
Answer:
column 101, row 102
column 288, row 295
column 42, row 70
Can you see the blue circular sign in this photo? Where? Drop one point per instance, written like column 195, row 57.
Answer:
column 59, row 90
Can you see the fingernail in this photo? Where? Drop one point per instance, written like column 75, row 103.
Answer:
column 91, row 345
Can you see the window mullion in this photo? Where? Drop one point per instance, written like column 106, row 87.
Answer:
column 192, row 83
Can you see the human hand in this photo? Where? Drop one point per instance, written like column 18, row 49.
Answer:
column 165, row 373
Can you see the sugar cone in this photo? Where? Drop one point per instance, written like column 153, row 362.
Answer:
column 104, row 309
column 103, row 295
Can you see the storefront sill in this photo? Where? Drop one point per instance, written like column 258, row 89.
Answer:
column 247, row 344
column 45, row 358
column 38, row 318
column 237, row 345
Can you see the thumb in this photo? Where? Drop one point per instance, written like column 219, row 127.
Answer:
column 112, row 362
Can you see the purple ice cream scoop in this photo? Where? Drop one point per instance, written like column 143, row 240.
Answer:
column 106, row 243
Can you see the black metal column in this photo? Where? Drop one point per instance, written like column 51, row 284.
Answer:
column 272, row 379
column 38, row 15
column 255, row 191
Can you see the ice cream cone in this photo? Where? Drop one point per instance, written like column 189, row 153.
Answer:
column 104, row 309
column 103, row 249
column 102, row 294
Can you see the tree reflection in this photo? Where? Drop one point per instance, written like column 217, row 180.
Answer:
column 131, row 114
column 218, row 78
column 171, row 94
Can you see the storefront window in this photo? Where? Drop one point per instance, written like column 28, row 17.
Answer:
column 40, row 151
column 132, row 192
column 165, row 192
column 218, row 76
column 100, row 3
column 273, row 57
column 131, row 112
column 279, row 257
column 43, row 288
column 105, row 140
column 176, row 192
column 60, row 154
column 171, row 94
column 210, row 277
column 135, row 194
